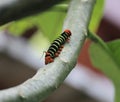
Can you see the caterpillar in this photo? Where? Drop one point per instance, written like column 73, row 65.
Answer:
column 57, row 46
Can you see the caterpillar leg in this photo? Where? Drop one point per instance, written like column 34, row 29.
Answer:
column 57, row 46
column 60, row 49
column 56, row 54
column 48, row 59
column 61, row 46
column 47, row 53
column 68, row 40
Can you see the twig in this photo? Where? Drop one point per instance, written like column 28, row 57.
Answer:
column 52, row 75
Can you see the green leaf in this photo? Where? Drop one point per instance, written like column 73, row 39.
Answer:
column 103, row 60
column 49, row 25
column 18, row 27
column 97, row 15
column 106, row 57
column 49, row 22
column 115, row 49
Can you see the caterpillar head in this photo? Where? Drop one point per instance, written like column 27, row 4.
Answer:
column 68, row 32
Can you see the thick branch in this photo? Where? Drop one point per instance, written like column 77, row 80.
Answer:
column 52, row 75
column 11, row 10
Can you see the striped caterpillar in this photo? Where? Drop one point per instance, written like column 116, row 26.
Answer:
column 56, row 47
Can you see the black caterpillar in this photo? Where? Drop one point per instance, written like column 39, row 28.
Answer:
column 56, row 47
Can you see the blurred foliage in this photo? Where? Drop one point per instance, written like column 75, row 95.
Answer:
column 97, row 15
column 50, row 22
column 51, row 27
column 104, row 61
column 115, row 49
column 106, row 57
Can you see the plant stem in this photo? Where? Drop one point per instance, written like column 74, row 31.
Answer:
column 98, row 40
column 50, row 77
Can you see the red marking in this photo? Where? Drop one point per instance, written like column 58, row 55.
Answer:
column 58, row 52
column 48, row 59
column 61, row 46
column 68, row 32
column 51, row 60
column 60, row 49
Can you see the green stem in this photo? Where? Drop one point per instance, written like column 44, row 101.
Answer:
column 97, row 39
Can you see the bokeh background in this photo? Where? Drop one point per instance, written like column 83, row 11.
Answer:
column 22, row 55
